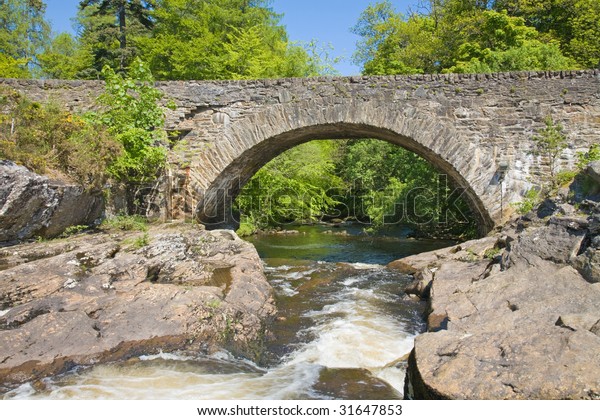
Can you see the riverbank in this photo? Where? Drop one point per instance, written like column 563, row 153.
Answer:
column 96, row 298
column 511, row 316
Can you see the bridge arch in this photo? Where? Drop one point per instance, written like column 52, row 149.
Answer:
column 253, row 141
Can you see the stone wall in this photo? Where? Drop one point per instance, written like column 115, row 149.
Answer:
column 466, row 125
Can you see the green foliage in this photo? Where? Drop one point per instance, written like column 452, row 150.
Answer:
column 574, row 23
column 390, row 184
column 550, row 142
column 531, row 199
column 46, row 138
column 133, row 244
column 74, row 230
column 108, row 32
column 584, row 159
column 136, row 120
column 222, row 39
column 298, row 185
column 491, row 253
column 454, row 36
column 375, row 181
column 247, row 227
column 565, row 177
column 64, row 58
column 126, row 223
column 23, row 33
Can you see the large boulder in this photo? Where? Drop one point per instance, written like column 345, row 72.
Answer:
column 107, row 297
column 32, row 205
column 523, row 326
column 519, row 334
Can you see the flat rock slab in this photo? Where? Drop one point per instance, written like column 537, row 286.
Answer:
column 107, row 297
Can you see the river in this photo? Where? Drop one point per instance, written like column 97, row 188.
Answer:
column 343, row 330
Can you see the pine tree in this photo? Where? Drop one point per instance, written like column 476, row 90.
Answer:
column 108, row 27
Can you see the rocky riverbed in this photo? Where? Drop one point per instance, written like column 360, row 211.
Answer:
column 512, row 316
column 96, row 298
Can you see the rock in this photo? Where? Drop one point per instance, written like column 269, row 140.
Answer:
column 588, row 264
column 402, row 267
column 567, row 209
column 497, row 338
column 556, row 242
column 105, row 299
column 578, row 322
column 596, row 329
column 547, row 208
column 593, row 170
column 33, row 205
column 525, row 325
column 421, row 286
column 470, row 250
column 354, row 384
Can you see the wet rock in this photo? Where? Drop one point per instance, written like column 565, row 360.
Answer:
column 402, row 267
column 354, row 384
column 106, row 299
column 33, row 205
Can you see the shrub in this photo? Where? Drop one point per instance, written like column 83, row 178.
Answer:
column 531, row 199
column 46, row 138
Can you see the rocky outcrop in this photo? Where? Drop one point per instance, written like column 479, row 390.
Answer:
column 32, row 205
column 105, row 297
column 518, row 323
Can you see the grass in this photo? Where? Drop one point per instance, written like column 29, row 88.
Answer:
column 126, row 223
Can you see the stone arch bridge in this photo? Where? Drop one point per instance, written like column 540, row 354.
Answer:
column 477, row 129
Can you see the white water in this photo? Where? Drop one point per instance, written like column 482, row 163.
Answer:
column 351, row 332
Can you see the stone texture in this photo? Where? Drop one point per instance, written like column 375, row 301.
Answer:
column 100, row 298
column 525, row 326
column 33, row 205
column 593, row 170
column 464, row 124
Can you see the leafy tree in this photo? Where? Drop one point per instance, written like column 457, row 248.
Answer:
column 584, row 45
column 297, row 186
column 389, row 184
column 574, row 23
column 133, row 116
column 375, row 24
column 64, row 58
column 504, row 43
column 108, row 28
column 454, row 36
column 220, row 39
column 23, row 33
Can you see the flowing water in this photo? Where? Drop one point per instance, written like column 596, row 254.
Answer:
column 343, row 331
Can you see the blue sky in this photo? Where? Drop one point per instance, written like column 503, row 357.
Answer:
column 328, row 21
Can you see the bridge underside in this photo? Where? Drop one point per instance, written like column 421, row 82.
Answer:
column 215, row 203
